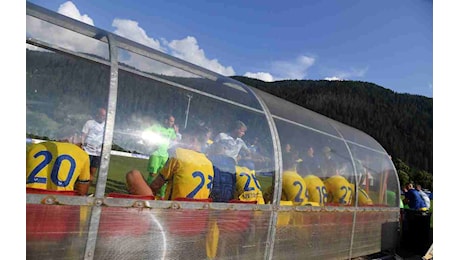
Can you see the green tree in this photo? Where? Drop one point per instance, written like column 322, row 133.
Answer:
column 423, row 178
column 403, row 171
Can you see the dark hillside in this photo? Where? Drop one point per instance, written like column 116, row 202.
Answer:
column 402, row 123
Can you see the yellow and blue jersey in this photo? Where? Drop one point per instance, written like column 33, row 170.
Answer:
column 189, row 175
column 339, row 190
column 363, row 197
column 294, row 188
column 247, row 186
column 56, row 166
column 316, row 189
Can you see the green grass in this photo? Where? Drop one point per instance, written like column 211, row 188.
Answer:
column 431, row 211
column 120, row 165
column 265, row 181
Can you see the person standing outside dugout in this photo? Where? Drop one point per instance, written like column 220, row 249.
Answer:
column 413, row 198
column 424, row 196
column 92, row 137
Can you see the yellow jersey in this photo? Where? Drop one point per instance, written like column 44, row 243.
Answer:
column 247, row 186
column 339, row 190
column 294, row 188
column 56, row 166
column 189, row 175
column 316, row 189
column 363, row 197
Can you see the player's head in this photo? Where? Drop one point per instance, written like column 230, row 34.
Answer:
column 239, row 129
column 191, row 140
column 100, row 115
column 310, row 151
column 289, row 161
column 206, row 133
column 327, row 152
column 169, row 121
column 288, row 148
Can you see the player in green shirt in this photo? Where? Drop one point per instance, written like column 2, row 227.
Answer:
column 161, row 136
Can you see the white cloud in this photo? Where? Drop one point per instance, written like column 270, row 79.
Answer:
column 333, row 78
column 189, row 50
column 69, row 9
column 296, row 69
column 50, row 33
column 265, row 76
column 280, row 70
column 186, row 49
column 130, row 29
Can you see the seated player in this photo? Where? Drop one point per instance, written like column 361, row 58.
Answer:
column 294, row 187
column 317, row 192
column 363, row 197
column 57, row 166
column 339, row 190
column 188, row 172
column 224, row 182
column 247, row 186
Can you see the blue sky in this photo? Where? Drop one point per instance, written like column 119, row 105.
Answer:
column 389, row 43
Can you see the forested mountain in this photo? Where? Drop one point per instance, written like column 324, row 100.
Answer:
column 401, row 123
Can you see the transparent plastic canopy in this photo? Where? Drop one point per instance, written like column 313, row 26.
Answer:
column 306, row 186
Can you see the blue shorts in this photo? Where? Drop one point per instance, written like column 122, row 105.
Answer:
column 94, row 161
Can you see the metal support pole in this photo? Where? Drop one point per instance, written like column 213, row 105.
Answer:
column 188, row 109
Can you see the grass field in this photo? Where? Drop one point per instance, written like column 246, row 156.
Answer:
column 431, row 211
column 120, row 165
